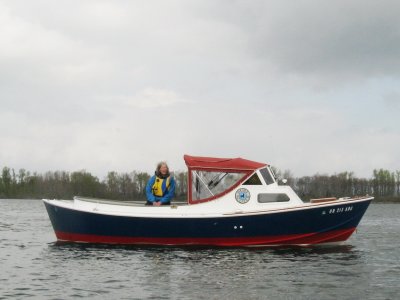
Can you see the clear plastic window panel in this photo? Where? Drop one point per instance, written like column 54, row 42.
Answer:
column 208, row 184
column 267, row 176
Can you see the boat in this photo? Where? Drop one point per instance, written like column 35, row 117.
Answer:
column 232, row 202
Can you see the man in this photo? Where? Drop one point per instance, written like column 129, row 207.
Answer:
column 161, row 187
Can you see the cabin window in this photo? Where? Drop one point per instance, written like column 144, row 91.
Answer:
column 209, row 184
column 271, row 197
column 253, row 180
column 267, row 176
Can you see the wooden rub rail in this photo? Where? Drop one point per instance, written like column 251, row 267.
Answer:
column 321, row 200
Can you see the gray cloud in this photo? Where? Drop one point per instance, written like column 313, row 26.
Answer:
column 118, row 85
column 392, row 100
column 339, row 40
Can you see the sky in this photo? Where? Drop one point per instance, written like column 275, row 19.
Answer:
column 309, row 86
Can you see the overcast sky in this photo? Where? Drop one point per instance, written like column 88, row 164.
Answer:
column 310, row 86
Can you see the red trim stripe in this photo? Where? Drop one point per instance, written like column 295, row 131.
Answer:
column 294, row 239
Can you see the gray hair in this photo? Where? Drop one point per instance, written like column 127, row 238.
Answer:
column 160, row 164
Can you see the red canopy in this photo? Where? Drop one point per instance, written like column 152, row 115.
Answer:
column 239, row 164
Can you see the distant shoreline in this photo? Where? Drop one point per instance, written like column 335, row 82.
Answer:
column 23, row 184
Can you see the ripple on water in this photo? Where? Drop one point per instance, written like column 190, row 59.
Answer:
column 32, row 264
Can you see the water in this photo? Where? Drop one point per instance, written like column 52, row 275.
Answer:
column 32, row 265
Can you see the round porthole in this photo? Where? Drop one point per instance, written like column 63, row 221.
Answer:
column 242, row 195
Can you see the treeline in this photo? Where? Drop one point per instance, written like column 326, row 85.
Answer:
column 65, row 185
column 384, row 185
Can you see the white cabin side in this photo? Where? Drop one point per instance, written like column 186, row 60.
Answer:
column 250, row 197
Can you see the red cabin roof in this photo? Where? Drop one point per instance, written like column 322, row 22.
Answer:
column 238, row 164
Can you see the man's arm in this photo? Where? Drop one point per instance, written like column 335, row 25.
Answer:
column 149, row 192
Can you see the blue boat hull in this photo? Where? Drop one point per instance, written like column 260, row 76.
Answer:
column 312, row 225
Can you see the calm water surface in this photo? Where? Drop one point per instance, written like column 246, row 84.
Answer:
column 32, row 265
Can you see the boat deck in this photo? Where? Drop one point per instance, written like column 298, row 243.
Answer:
column 124, row 202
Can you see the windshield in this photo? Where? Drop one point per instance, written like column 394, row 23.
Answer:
column 209, row 184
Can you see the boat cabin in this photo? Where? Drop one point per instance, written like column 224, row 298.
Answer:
column 212, row 178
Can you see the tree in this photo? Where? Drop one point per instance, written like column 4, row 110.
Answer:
column 112, row 184
column 142, row 179
column 84, row 184
column 6, row 182
column 181, row 179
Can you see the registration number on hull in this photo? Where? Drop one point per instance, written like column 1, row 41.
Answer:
column 338, row 210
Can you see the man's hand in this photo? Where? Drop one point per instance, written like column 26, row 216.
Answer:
column 157, row 203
